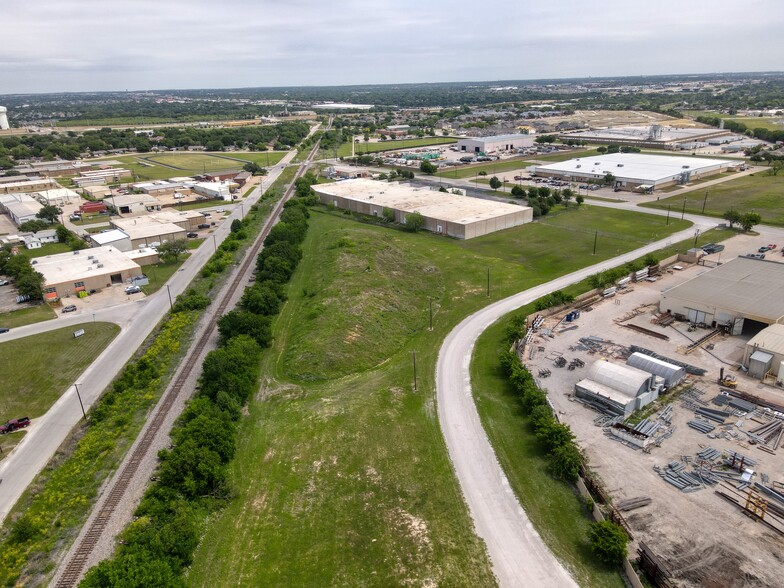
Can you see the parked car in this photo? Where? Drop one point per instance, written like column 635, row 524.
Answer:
column 69, row 308
column 220, row 210
column 756, row 255
column 191, row 235
column 133, row 290
column 14, row 424
column 763, row 249
column 204, row 226
column 771, row 246
column 4, row 330
column 712, row 248
column 4, row 282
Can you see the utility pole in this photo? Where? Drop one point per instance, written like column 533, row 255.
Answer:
column 668, row 214
column 413, row 355
column 696, row 235
column 488, row 282
column 704, row 202
column 214, row 244
column 79, row 396
column 683, row 212
column 430, row 300
column 168, row 290
column 595, row 239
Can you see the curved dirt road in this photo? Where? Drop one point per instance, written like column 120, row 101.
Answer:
column 517, row 552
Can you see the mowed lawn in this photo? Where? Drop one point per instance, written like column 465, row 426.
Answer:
column 760, row 192
column 39, row 368
column 361, row 148
column 168, row 165
column 341, row 475
column 26, row 316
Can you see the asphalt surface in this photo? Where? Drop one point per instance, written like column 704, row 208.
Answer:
column 136, row 320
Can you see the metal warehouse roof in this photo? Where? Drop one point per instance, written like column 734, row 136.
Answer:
column 493, row 138
column 626, row 380
column 78, row 265
column 635, row 166
column 671, row 373
column 770, row 339
column 745, row 286
column 430, row 203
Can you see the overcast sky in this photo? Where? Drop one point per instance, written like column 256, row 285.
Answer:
column 84, row 45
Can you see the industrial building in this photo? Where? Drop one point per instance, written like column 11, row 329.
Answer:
column 656, row 136
column 27, row 185
column 56, row 196
column 66, row 274
column 4, row 119
column 765, row 353
column 635, row 170
column 148, row 232
column 620, row 389
column 742, row 294
column 495, row 143
column 118, row 239
column 670, row 373
column 135, row 203
column 220, row 190
column 444, row 213
column 20, row 207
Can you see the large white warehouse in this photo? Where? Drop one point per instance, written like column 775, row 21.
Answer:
column 449, row 214
column 635, row 170
column 495, row 143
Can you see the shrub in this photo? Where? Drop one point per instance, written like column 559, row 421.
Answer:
column 608, row 542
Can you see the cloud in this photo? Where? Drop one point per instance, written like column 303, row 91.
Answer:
column 82, row 45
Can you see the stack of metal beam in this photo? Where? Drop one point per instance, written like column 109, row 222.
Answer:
column 770, row 433
column 646, row 427
column 701, row 426
column 712, row 414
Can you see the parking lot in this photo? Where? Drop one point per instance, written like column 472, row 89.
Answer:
column 703, row 539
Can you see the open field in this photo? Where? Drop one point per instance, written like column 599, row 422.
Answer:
column 361, row 148
column 168, row 165
column 48, row 249
column 492, row 168
column 26, row 316
column 773, row 123
column 760, row 192
column 159, row 273
column 341, row 467
column 39, row 368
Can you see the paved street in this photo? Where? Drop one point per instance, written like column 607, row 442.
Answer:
column 137, row 319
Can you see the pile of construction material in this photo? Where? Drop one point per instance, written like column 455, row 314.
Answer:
column 705, row 470
column 768, row 434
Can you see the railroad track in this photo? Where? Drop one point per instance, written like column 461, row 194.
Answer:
column 73, row 570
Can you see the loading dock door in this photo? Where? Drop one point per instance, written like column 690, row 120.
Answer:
column 116, row 278
column 695, row 316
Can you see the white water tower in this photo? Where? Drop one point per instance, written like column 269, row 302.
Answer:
column 3, row 118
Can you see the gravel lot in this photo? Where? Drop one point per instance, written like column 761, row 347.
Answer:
column 703, row 539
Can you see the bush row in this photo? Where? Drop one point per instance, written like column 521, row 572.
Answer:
column 62, row 495
column 557, row 438
column 192, row 478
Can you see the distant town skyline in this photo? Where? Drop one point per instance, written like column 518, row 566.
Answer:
column 82, row 46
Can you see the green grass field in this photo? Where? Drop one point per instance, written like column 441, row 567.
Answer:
column 159, row 273
column 39, row 368
column 26, row 316
column 493, row 168
column 361, row 148
column 760, row 192
column 341, row 468
column 168, row 165
column 48, row 249
column 773, row 123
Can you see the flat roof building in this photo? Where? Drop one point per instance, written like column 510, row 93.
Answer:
column 57, row 196
column 742, row 292
column 35, row 185
column 765, row 353
column 114, row 237
column 660, row 136
column 634, row 170
column 461, row 217
column 495, row 143
column 89, row 269
column 135, row 203
column 147, row 232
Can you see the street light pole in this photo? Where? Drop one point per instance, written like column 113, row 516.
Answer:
column 214, row 244
column 168, row 290
column 683, row 212
column 595, row 238
column 79, row 396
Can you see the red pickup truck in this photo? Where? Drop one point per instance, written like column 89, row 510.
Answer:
column 14, row 424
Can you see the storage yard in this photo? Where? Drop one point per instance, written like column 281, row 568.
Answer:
column 697, row 475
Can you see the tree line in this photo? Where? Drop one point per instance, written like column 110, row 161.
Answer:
column 192, row 477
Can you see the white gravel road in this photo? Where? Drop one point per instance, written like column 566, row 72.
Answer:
column 518, row 554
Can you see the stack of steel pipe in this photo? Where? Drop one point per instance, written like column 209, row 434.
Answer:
column 715, row 415
column 701, row 426
column 770, row 433
column 709, row 454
